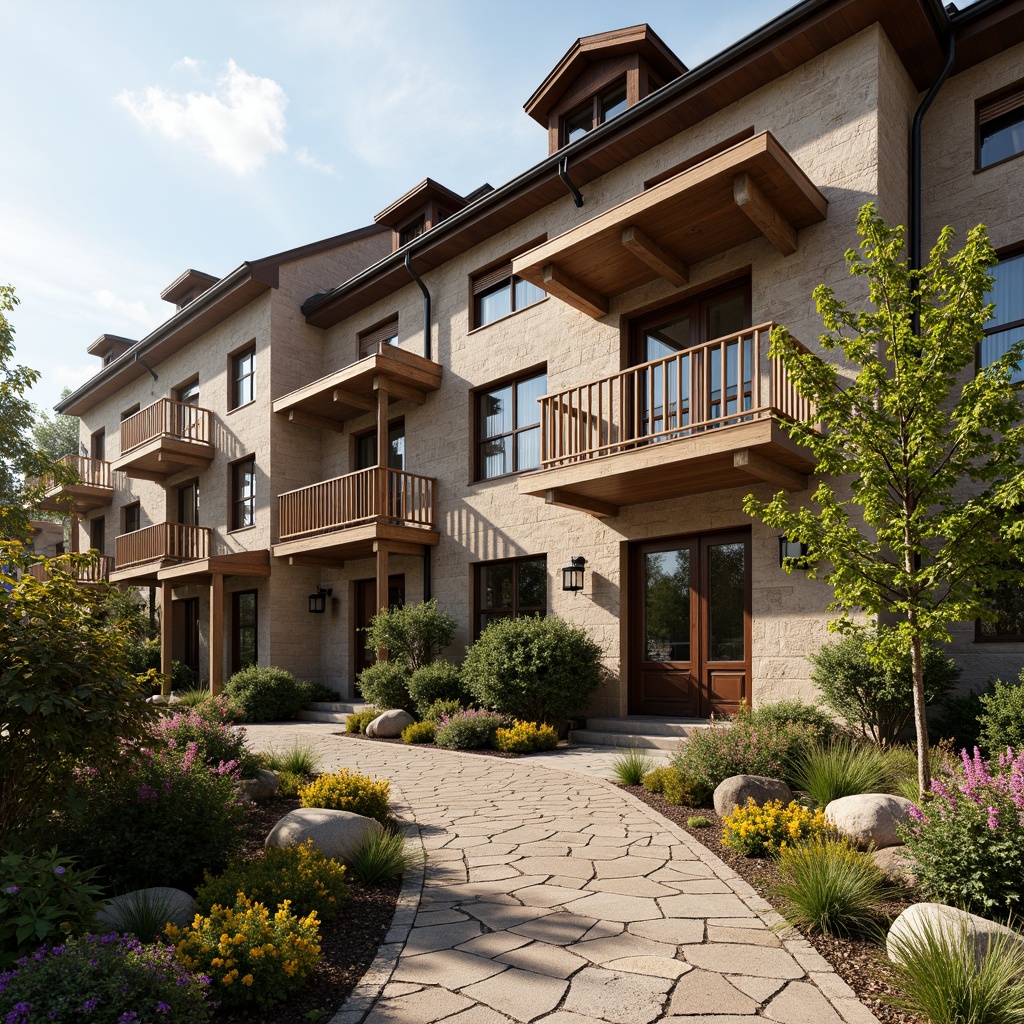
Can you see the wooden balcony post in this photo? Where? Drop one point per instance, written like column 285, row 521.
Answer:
column 381, row 551
column 381, row 483
column 75, row 543
column 166, row 636
column 216, row 633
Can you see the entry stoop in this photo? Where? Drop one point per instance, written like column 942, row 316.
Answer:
column 643, row 731
column 330, row 711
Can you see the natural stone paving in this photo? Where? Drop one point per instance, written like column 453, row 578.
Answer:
column 549, row 895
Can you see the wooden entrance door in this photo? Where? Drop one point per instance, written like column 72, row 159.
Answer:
column 690, row 625
column 185, row 644
column 366, row 608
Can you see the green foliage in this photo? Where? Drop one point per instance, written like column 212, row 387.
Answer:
column 290, row 783
column 468, row 730
column 654, row 780
column 413, row 634
column 538, row 668
column 927, row 450
column 684, row 790
column 301, row 874
column 66, row 691
column 386, row 685
column 42, row 897
column 56, row 435
column 208, row 726
column 348, row 791
column 127, row 609
column 316, row 693
column 877, row 699
column 958, row 721
column 380, row 856
column 440, row 680
column 298, row 759
column 828, row 771
column 1002, row 717
column 144, row 913
column 440, row 708
column 182, row 677
column 265, row 694
column 828, row 886
column 939, row 978
column 795, row 712
column 359, row 720
column 104, row 981
column 632, row 767
column 526, row 738
column 699, row 822
column 419, row 732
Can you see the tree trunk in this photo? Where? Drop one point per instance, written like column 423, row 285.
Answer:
column 924, row 772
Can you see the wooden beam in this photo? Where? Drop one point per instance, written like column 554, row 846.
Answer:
column 381, row 551
column 308, row 419
column 769, row 470
column 315, row 560
column 145, row 474
column 166, row 637
column 181, row 459
column 351, row 398
column 573, row 293
column 216, row 633
column 768, row 220
column 397, row 547
column 398, row 390
column 663, row 263
column 581, row 503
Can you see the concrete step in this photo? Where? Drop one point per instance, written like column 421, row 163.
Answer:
column 335, row 712
column 643, row 741
column 643, row 725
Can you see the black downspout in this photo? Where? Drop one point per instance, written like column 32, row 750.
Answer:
column 427, row 350
column 427, row 592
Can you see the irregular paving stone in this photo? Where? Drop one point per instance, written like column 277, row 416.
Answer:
column 500, row 916
column 547, row 895
column 628, row 867
column 757, row 988
column 520, row 994
column 617, row 997
column 756, row 961
column 615, row 947
column 440, row 936
column 422, row 1007
column 449, row 968
column 707, row 992
column 614, row 907
column 654, row 966
column 704, row 905
column 492, row 944
column 541, row 958
column 800, row 1002
column 673, row 930
column 474, row 1015
column 631, row 887
column 565, row 1017
column 578, row 867
column 558, row 929
column 755, row 937
column 431, row 917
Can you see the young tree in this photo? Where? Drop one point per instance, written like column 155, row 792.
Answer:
column 56, row 435
column 922, row 522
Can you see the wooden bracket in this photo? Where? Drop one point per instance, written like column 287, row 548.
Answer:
column 573, row 293
column 396, row 389
column 356, row 401
column 769, row 470
column 581, row 503
column 753, row 202
column 663, row 263
column 308, row 419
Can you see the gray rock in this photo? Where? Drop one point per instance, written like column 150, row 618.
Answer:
column 123, row 912
column 263, row 787
column 869, row 818
column 390, row 724
column 734, row 791
column 336, row 833
column 949, row 926
column 898, row 864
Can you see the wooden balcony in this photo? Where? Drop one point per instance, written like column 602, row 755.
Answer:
column 702, row 419
column 87, row 575
column 93, row 489
column 165, row 438
column 140, row 555
column 349, row 516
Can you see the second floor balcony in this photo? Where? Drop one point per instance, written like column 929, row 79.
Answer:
column 141, row 554
column 701, row 419
column 93, row 489
column 98, row 572
column 165, row 438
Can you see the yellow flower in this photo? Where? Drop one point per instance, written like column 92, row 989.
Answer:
column 247, row 980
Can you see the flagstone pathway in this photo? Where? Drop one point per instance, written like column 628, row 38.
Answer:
column 550, row 895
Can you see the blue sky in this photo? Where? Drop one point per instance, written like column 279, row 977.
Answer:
column 144, row 138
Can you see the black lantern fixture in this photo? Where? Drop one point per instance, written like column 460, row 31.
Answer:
column 792, row 553
column 572, row 574
column 318, row 601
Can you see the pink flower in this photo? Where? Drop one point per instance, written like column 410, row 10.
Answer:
column 993, row 818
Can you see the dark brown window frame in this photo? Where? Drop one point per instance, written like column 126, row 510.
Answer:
column 490, row 276
column 418, row 222
column 236, row 378
column 478, row 440
column 480, row 612
column 188, row 393
column 991, row 108
column 98, row 525
column 371, row 338
column 130, row 411
column 597, row 109
column 181, row 488
column 360, row 436
column 98, row 444
column 998, row 638
column 1008, row 252
column 237, row 501
column 132, row 508
column 236, row 628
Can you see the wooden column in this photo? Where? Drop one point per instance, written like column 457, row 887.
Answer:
column 75, row 542
column 382, row 466
column 380, row 549
column 216, row 633
column 166, row 636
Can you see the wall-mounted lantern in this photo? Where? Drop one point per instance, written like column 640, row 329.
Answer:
column 318, row 601
column 572, row 574
column 792, row 552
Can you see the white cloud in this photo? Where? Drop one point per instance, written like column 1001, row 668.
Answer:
column 307, row 159
column 238, row 125
column 65, row 376
column 136, row 311
column 189, row 63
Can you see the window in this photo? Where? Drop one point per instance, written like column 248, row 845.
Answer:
column 383, row 334
column 130, row 411
column 244, row 649
column 132, row 517
column 508, row 427
column 602, row 107
column 1008, row 604
column 366, row 447
column 188, row 503
column 188, row 394
column 1000, row 127
column 98, row 444
column 511, row 589
column 411, row 231
column 243, row 493
column 498, row 293
column 243, row 377
column 1006, row 327
column 98, row 533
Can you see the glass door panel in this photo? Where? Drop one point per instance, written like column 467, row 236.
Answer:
column 667, row 606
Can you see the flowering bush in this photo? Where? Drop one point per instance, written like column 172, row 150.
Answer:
column 157, row 818
column 526, row 737
column 768, row 830
column 301, row 874
column 251, row 956
column 969, row 838
column 348, row 791
column 41, row 896
column 108, row 980
column 209, row 726
column 468, row 730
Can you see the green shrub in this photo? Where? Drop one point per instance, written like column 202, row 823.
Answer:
column 828, row 886
column 878, row 701
column 299, row 759
column 317, row 693
column 699, row 822
column 632, row 767
column 440, row 708
column 42, row 897
column 105, row 980
column 1002, row 717
column 654, row 780
column 145, row 913
column 828, row 771
column 958, row 722
column 380, row 856
column 766, row 830
column 796, row 712
column 419, row 732
column 359, row 720
column 441, row 680
column 289, row 783
column 265, row 694
column 348, row 791
column 526, row 738
column 413, row 634
column 182, row 677
column 386, row 685
column 468, row 730
column 536, row 668
column 302, row 874
column 685, row 790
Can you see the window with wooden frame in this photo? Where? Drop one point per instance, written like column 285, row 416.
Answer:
column 98, row 534
column 188, row 394
column 412, row 230
column 508, row 426
column 244, row 632
column 243, row 377
column 498, row 293
column 130, row 411
column 1008, row 624
column 1006, row 328
column 600, row 108
column 98, row 444
column 131, row 517
column 188, row 503
column 385, row 333
column 243, row 493
column 1000, row 126
column 511, row 588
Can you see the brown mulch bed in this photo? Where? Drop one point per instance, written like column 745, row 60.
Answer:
column 349, row 942
column 860, row 962
column 488, row 752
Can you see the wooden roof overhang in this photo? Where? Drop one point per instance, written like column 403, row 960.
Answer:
column 352, row 390
column 754, row 188
column 335, row 547
column 80, row 497
column 255, row 564
column 162, row 457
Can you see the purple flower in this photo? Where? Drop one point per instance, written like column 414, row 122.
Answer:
column 128, row 1017
column 163, row 1007
column 993, row 818
column 59, row 871
column 89, row 1005
column 146, row 794
column 12, row 890
column 19, row 1012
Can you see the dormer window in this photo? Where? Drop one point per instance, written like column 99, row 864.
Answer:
column 412, row 230
column 594, row 112
column 418, row 211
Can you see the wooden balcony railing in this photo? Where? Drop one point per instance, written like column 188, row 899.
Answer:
column 723, row 382
column 178, row 541
column 357, row 498
column 165, row 418
column 91, row 472
column 98, row 572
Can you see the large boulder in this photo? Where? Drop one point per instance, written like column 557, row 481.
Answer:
column 869, row 818
column 264, row 786
column 390, row 724
column 336, row 834
column 949, row 926
column 734, row 792
column 157, row 906
column 897, row 863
